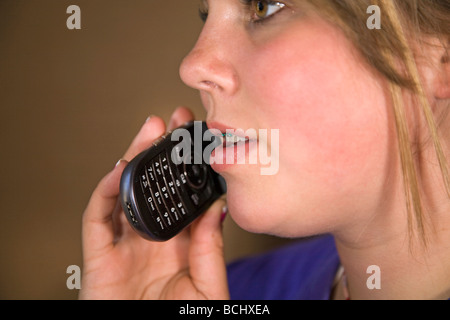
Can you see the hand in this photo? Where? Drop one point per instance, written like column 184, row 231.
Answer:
column 119, row 264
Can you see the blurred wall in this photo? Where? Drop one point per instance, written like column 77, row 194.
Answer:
column 71, row 101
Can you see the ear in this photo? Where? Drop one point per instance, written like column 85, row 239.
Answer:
column 442, row 79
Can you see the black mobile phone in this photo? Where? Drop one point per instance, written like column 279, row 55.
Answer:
column 169, row 185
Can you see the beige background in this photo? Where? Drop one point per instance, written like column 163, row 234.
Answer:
column 71, row 101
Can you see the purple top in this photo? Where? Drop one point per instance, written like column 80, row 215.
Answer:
column 304, row 270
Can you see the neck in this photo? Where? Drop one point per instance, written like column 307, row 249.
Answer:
column 401, row 273
column 405, row 267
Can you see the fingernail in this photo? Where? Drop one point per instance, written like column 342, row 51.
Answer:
column 118, row 163
column 148, row 119
column 224, row 214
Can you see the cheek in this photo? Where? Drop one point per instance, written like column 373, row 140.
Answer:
column 331, row 112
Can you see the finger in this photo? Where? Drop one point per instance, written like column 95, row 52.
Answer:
column 206, row 256
column 98, row 228
column 120, row 222
column 152, row 129
column 180, row 116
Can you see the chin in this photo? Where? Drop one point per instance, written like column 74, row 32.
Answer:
column 245, row 212
column 254, row 215
column 276, row 218
column 256, row 205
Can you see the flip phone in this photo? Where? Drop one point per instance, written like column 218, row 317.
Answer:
column 169, row 185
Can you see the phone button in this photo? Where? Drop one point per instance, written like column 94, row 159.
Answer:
column 167, row 219
column 165, row 165
column 177, row 183
column 196, row 173
column 151, row 203
column 195, row 198
column 167, row 199
column 159, row 223
column 171, row 215
column 154, row 200
column 167, row 185
column 181, row 208
column 150, row 173
column 161, row 194
column 157, row 168
column 144, row 182
column 177, row 208
column 201, row 196
column 175, row 198
column 154, row 213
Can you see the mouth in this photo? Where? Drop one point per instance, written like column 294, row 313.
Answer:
column 249, row 147
column 231, row 137
column 235, row 146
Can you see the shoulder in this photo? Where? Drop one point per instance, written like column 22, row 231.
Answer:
column 303, row 270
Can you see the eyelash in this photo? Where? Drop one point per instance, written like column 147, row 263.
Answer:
column 203, row 13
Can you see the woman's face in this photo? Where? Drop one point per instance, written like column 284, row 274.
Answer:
column 269, row 65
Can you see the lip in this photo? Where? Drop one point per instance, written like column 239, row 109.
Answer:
column 218, row 126
column 223, row 154
column 225, row 128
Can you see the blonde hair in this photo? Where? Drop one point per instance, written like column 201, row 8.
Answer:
column 403, row 23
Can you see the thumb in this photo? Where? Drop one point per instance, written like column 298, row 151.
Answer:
column 206, row 256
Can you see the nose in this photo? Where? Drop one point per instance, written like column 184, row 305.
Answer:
column 209, row 66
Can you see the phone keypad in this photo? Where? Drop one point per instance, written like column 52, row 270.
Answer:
column 165, row 186
column 176, row 205
column 160, row 193
column 150, row 200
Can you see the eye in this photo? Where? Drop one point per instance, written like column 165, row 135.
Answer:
column 264, row 9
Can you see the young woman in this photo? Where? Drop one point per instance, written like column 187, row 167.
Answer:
column 364, row 140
